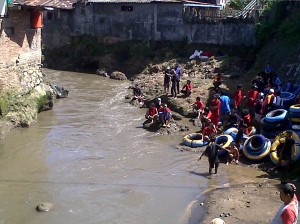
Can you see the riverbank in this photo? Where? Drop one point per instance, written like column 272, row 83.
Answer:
column 235, row 203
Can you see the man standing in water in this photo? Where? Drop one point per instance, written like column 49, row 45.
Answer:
column 288, row 212
column 212, row 154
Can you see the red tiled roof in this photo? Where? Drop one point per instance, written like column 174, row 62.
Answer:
column 61, row 4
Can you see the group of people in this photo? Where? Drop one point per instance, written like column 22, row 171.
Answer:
column 263, row 97
column 173, row 76
column 222, row 114
column 159, row 112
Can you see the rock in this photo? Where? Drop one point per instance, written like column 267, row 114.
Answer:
column 151, row 126
column 201, row 203
column 44, row 207
column 118, row 76
column 176, row 116
column 217, row 221
column 102, row 73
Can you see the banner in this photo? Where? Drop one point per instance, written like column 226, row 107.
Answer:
column 3, row 8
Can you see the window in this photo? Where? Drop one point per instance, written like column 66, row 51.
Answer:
column 126, row 8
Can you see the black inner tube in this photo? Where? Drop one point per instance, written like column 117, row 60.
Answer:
column 276, row 113
column 196, row 137
column 257, row 141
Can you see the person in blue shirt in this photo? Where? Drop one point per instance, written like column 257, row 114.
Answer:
column 178, row 71
column 225, row 107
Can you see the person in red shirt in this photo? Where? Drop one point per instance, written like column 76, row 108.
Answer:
column 208, row 131
column 251, row 98
column 288, row 212
column 246, row 117
column 152, row 113
column 205, row 117
column 215, row 109
column 187, row 88
column 238, row 96
column 198, row 106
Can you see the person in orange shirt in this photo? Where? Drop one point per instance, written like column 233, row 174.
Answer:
column 215, row 109
column 268, row 104
column 238, row 96
column 187, row 88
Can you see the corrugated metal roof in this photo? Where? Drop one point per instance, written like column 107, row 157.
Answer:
column 133, row 1
column 61, row 4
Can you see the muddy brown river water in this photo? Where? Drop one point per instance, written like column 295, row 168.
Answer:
column 90, row 157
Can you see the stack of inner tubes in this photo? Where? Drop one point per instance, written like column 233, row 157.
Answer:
column 274, row 123
column 294, row 117
column 224, row 141
column 279, row 143
column 194, row 140
column 257, row 148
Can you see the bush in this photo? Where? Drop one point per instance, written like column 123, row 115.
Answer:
column 4, row 106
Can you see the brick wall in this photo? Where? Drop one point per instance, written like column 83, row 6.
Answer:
column 20, row 47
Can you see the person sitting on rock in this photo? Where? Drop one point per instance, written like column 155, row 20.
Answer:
column 187, row 88
column 165, row 115
column 198, row 106
column 137, row 95
column 233, row 154
column 205, row 117
column 158, row 103
column 208, row 132
column 217, row 81
column 152, row 113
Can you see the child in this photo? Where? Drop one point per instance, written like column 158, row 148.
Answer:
column 187, row 88
column 152, row 113
column 238, row 96
column 205, row 117
column 198, row 106
column 165, row 115
column 217, row 81
column 208, row 132
column 233, row 154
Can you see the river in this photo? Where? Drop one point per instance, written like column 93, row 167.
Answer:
column 92, row 159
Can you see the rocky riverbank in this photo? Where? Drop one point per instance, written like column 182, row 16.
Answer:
column 25, row 98
column 255, row 201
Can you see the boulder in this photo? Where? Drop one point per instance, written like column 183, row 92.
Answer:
column 118, row 75
column 44, row 207
column 176, row 116
column 102, row 73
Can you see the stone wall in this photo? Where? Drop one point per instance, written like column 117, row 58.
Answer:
column 146, row 21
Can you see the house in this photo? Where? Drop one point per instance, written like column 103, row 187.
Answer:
column 20, row 42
